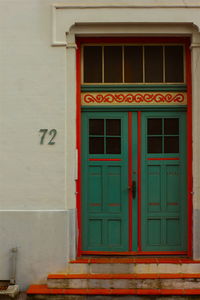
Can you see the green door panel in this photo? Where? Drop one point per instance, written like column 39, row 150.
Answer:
column 164, row 218
column 105, row 186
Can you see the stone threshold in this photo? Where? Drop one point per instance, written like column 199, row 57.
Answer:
column 162, row 260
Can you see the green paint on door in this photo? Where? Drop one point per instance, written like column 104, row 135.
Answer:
column 105, row 182
column 163, row 185
column 105, row 202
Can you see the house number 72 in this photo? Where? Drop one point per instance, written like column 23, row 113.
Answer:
column 52, row 133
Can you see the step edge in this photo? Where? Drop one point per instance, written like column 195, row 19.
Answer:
column 43, row 289
column 125, row 276
column 134, row 261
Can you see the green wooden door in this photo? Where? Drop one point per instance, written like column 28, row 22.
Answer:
column 163, row 184
column 107, row 224
column 105, row 182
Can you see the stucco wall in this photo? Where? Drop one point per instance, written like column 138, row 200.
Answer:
column 32, row 97
column 34, row 212
column 41, row 241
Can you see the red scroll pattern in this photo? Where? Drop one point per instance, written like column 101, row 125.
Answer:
column 133, row 98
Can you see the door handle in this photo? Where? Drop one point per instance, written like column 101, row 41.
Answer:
column 132, row 188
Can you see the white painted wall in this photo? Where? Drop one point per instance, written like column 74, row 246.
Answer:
column 32, row 97
column 41, row 240
column 34, row 213
column 37, row 90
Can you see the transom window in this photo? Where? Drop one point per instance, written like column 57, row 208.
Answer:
column 133, row 64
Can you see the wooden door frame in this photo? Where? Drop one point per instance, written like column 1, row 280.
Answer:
column 157, row 40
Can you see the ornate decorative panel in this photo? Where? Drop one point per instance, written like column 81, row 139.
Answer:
column 137, row 98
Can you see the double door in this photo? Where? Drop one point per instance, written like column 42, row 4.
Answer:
column 134, row 183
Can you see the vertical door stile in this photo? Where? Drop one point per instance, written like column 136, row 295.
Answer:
column 139, row 149
column 104, row 204
column 163, row 202
column 130, row 179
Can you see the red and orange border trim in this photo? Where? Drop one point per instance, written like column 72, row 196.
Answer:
column 143, row 40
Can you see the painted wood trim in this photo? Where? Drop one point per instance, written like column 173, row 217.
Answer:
column 130, row 180
column 104, row 159
column 138, row 253
column 78, row 145
column 139, row 179
column 136, row 108
column 79, row 5
column 189, row 150
column 125, row 276
column 135, row 178
column 129, row 40
column 163, row 158
column 134, row 98
column 136, row 87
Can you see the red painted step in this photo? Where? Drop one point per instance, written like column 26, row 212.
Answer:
column 122, row 276
column 43, row 289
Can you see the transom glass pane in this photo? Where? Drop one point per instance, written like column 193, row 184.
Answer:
column 92, row 64
column 174, row 64
column 153, row 63
column 112, row 64
column 133, row 64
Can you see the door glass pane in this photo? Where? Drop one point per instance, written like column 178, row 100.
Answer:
column 92, row 64
column 153, row 63
column 96, row 145
column 113, row 145
column 112, row 64
column 154, row 126
column 174, row 64
column 113, row 127
column 96, row 126
column 171, row 126
column 154, row 145
column 171, row 144
column 133, row 64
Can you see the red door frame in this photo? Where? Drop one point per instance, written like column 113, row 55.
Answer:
column 143, row 40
